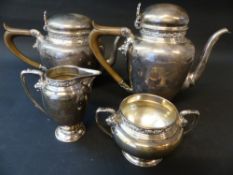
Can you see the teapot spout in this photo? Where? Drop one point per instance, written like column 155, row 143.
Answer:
column 195, row 75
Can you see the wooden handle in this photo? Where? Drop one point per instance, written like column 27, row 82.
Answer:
column 9, row 35
column 97, row 32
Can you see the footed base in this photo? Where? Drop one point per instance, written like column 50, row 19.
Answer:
column 141, row 162
column 70, row 133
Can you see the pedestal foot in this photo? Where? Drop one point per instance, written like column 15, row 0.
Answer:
column 141, row 162
column 70, row 133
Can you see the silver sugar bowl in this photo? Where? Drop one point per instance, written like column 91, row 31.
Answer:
column 65, row 91
column 147, row 127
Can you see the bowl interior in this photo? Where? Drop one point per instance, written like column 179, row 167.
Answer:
column 148, row 111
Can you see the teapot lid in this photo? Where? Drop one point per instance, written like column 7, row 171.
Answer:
column 148, row 111
column 164, row 16
column 67, row 22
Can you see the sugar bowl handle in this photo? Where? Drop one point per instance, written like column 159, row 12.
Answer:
column 110, row 120
column 9, row 36
column 195, row 114
column 38, row 85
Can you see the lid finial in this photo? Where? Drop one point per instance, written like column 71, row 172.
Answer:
column 45, row 20
column 137, row 23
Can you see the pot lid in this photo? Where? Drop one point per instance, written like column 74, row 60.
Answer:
column 68, row 22
column 149, row 111
column 164, row 15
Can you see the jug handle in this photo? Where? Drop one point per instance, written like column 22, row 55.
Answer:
column 195, row 114
column 37, row 85
column 93, row 43
column 109, row 120
column 9, row 36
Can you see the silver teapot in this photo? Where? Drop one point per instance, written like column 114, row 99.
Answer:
column 65, row 91
column 66, row 42
column 160, row 58
column 147, row 127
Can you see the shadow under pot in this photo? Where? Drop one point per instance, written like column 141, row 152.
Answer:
column 147, row 127
column 65, row 92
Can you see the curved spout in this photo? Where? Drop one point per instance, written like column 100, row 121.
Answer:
column 195, row 75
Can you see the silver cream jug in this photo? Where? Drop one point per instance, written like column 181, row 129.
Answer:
column 66, row 42
column 65, row 91
column 160, row 59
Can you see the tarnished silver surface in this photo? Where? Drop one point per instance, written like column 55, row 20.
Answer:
column 160, row 59
column 147, row 127
column 65, row 91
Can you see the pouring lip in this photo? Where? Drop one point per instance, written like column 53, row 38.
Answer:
column 81, row 73
column 157, row 98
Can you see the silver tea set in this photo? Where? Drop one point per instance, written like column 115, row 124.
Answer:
column 146, row 125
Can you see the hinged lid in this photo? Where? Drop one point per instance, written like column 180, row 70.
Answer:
column 163, row 16
column 67, row 23
column 149, row 111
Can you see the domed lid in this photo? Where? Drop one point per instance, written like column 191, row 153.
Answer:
column 148, row 111
column 162, row 16
column 67, row 22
